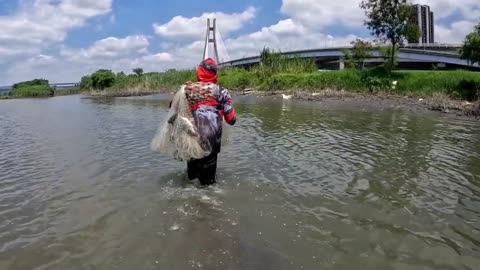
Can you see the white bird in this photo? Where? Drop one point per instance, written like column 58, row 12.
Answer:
column 394, row 84
column 286, row 97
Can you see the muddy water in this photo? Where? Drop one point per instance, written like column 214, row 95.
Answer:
column 301, row 186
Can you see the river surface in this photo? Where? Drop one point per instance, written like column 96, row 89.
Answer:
column 301, row 186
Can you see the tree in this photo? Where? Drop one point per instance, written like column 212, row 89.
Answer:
column 390, row 20
column 359, row 53
column 412, row 32
column 86, row 82
column 138, row 71
column 103, row 78
column 471, row 46
column 34, row 82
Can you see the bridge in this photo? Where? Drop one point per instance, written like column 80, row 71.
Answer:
column 411, row 56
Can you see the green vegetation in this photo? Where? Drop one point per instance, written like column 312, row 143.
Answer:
column 32, row 91
column 106, row 83
column 276, row 73
column 33, row 88
column 471, row 46
column 355, row 58
column 456, row 84
column 37, row 88
column 138, row 71
column 279, row 73
column 34, row 82
column 390, row 20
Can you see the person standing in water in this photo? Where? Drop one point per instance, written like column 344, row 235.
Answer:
column 210, row 104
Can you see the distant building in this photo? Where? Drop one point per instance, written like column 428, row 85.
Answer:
column 424, row 19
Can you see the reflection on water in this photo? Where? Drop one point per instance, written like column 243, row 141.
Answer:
column 302, row 186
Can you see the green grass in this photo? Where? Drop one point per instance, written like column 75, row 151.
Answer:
column 152, row 81
column 145, row 84
column 31, row 91
column 456, row 84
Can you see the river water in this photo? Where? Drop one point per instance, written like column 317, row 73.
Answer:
column 301, row 186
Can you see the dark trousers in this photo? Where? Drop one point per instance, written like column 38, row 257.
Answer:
column 204, row 169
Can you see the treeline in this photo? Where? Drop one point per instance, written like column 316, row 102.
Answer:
column 104, row 80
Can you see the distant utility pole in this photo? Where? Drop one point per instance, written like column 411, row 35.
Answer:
column 211, row 31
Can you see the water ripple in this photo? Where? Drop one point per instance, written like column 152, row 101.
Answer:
column 300, row 186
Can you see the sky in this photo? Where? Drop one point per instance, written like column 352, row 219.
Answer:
column 63, row 40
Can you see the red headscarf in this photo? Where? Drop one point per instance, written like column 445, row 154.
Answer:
column 207, row 71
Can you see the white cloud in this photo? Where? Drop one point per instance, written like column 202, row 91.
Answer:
column 469, row 9
column 182, row 27
column 60, row 69
column 286, row 35
column 117, row 54
column 455, row 33
column 318, row 14
column 108, row 48
column 39, row 23
column 158, row 58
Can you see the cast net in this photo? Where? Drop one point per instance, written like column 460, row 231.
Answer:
column 177, row 135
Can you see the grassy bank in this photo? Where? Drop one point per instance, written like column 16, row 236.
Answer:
column 464, row 85
column 455, row 84
column 39, row 91
column 119, row 85
column 275, row 73
column 31, row 91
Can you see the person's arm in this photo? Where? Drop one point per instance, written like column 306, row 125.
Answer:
column 228, row 109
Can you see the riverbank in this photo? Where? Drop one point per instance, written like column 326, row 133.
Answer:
column 446, row 91
column 32, row 93
column 459, row 84
column 380, row 101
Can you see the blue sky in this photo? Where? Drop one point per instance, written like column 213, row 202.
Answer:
column 62, row 40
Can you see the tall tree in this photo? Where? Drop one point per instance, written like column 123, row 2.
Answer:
column 390, row 20
column 471, row 46
column 138, row 71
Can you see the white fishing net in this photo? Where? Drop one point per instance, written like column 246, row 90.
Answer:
column 177, row 135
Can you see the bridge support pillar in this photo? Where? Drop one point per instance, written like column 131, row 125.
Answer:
column 341, row 64
column 211, row 37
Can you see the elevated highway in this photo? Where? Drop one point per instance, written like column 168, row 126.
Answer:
column 410, row 56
